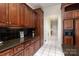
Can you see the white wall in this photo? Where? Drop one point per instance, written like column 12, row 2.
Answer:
column 52, row 12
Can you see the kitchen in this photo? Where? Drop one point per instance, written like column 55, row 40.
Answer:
column 24, row 30
column 20, row 35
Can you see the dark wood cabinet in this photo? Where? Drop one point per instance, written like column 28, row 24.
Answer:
column 8, row 52
column 71, row 22
column 34, row 18
column 26, row 23
column 68, row 24
column 21, row 53
column 26, row 48
column 29, row 21
column 29, row 49
column 22, row 14
column 37, row 45
column 30, row 17
column 26, row 51
column 77, row 32
column 18, row 48
column 3, row 14
column 68, row 40
column 39, row 24
column 14, row 14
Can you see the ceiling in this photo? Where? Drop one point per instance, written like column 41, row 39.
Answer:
column 41, row 5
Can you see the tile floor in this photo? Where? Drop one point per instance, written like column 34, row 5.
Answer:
column 51, row 48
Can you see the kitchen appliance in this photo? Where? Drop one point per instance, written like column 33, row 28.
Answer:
column 21, row 34
column 68, row 32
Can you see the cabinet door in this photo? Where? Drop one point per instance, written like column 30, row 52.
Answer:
column 77, row 32
column 34, row 18
column 28, row 51
column 26, row 16
column 31, row 18
column 13, row 14
column 22, row 14
column 18, row 48
column 21, row 53
column 41, row 27
column 31, row 49
column 7, row 53
column 37, row 45
column 68, row 40
column 68, row 24
column 3, row 14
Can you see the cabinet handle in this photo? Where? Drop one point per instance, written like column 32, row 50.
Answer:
column 10, row 22
column 6, row 22
column 27, row 44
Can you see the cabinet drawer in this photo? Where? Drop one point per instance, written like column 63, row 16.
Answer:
column 68, row 40
column 18, row 48
column 68, row 24
column 7, row 53
column 21, row 53
column 29, row 51
column 26, row 44
column 33, row 41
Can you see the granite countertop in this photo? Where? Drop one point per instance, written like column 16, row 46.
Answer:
column 13, row 42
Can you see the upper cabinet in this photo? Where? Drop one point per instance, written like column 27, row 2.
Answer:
column 29, row 21
column 39, row 23
column 3, row 14
column 26, row 23
column 22, row 14
column 70, row 10
column 34, row 18
column 68, row 24
column 16, row 15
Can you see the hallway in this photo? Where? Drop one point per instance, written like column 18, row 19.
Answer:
column 51, row 48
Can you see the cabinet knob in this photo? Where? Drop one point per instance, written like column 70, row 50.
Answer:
column 10, row 22
column 7, row 22
column 27, row 44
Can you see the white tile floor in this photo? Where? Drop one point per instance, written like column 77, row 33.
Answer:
column 51, row 48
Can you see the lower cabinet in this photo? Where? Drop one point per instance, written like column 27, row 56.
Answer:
column 37, row 45
column 28, row 51
column 18, row 48
column 31, row 49
column 20, row 53
column 7, row 53
column 42, row 41
column 25, row 49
